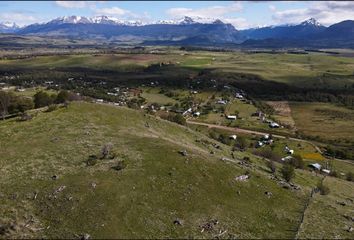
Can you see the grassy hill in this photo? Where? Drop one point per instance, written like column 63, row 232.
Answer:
column 159, row 194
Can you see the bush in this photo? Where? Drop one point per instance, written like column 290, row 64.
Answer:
column 267, row 153
column 92, row 160
column 177, row 118
column 62, row 97
column 288, row 172
column 52, row 108
column 120, row 165
column 324, row 190
column 271, row 166
column 297, row 161
column 42, row 99
column 350, row 176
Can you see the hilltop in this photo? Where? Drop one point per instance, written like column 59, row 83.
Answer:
column 159, row 180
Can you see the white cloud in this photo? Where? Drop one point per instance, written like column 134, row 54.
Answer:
column 72, row 4
column 239, row 23
column 327, row 13
column 78, row 4
column 20, row 19
column 219, row 12
column 272, row 8
column 114, row 11
column 215, row 11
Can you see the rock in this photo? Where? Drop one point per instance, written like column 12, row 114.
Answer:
column 242, row 178
column 86, row 236
column 183, row 153
column 269, row 194
column 178, row 222
column 93, row 185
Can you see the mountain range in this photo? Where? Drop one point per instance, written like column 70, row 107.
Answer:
column 191, row 31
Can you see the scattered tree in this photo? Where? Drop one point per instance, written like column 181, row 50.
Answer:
column 288, row 172
column 271, row 166
column 324, row 190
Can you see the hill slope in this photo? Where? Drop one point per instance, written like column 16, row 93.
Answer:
column 157, row 187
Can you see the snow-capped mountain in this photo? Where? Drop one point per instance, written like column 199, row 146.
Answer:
column 8, row 27
column 311, row 22
column 305, row 29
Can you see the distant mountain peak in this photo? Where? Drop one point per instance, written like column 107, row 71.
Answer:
column 311, row 22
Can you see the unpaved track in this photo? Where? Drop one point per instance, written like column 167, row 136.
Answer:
column 241, row 130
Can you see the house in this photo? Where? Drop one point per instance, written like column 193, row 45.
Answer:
column 239, row 96
column 274, row 125
column 194, row 92
column 189, row 110
column 326, row 171
column 287, row 158
column 223, row 102
column 231, row 117
column 233, row 137
column 315, row 166
column 260, row 144
column 20, row 89
column 196, row 114
column 99, row 100
column 288, row 150
column 266, row 137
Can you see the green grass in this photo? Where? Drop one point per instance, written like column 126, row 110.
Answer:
column 325, row 211
column 157, row 186
column 312, row 70
column 327, row 121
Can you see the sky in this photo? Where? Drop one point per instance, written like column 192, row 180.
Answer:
column 242, row 14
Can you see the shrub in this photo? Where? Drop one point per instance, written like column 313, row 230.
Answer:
column 297, row 161
column 42, row 99
column 288, row 172
column 52, row 108
column 120, row 165
column 267, row 153
column 177, row 118
column 350, row 176
column 271, row 166
column 324, row 190
column 62, row 96
column 92, row 160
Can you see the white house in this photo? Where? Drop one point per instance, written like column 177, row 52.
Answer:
column 233, row 137
column 286, row 158
column 99, row 100
column 231, row 117
column 223, row 102
column 274, row 125
column 326, row 171
column 316, row 166
column 196, row 114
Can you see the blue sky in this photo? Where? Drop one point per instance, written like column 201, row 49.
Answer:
column 242, row 14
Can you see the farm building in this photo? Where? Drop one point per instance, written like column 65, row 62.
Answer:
column 231, row 117
column 233, row 137
column 274, row 125
column 315, row 166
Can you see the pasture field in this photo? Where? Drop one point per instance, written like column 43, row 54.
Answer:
column 328, row 122
column 308, row 71
column 157, row 186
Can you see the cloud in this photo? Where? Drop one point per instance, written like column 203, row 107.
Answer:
column 327, row 13
column 220, row 12
column 72, row 4
column 114, row 11
column 215, row 11
column 19, row 18
column 77, row 4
